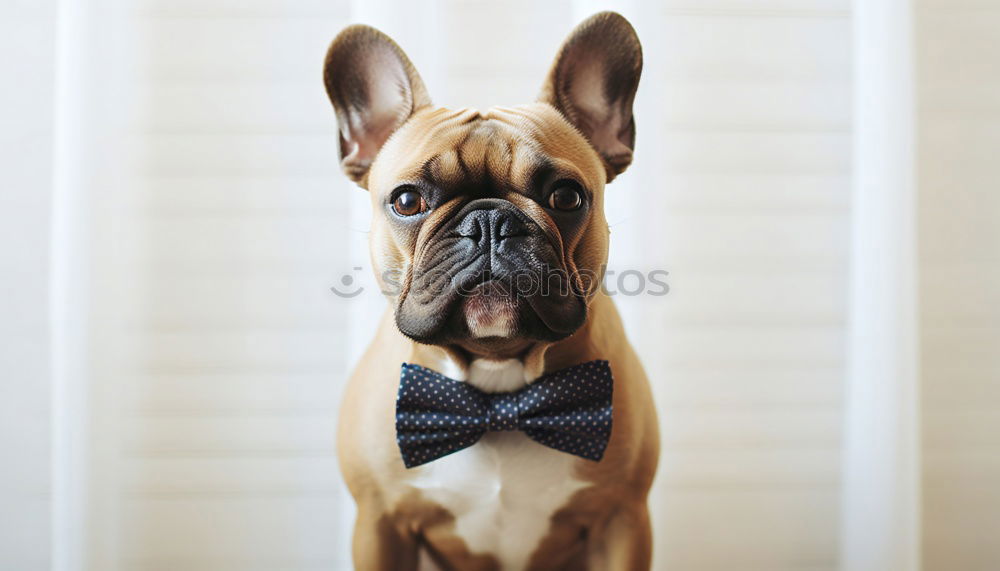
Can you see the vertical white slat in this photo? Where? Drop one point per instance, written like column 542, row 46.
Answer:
column 69, row 297
column 880, row 527
column 90, row 289
column 27, row 33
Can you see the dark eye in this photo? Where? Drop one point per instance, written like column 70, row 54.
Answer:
column 565, row 198
column 409, row 203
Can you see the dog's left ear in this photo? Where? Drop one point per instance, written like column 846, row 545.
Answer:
column 593, row 82
column 374, row 89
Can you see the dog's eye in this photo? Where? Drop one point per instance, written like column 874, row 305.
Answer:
column 565, row 198
column 409, row 203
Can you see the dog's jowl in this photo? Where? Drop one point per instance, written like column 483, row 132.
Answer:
column 499, row 419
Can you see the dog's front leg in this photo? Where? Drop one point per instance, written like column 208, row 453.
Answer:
column 624, row 543
column 380, row 545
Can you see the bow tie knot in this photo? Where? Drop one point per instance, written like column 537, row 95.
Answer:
column 568, row 410
column 502, row 413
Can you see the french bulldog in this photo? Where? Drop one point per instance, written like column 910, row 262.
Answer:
column 489, row 238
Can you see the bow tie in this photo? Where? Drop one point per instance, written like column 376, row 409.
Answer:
column 569, row 410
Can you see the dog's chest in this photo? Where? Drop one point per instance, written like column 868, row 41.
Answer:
column 503, row 490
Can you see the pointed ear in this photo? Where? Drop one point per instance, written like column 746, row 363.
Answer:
column 374, row 89
column 593, row 82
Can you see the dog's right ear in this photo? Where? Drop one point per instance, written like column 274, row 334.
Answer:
column 374, row 89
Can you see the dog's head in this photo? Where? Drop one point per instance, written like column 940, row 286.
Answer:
column 488, row 226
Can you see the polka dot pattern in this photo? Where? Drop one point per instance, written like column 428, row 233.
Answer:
column 568, row 410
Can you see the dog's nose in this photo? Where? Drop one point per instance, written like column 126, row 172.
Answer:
column 492, row 223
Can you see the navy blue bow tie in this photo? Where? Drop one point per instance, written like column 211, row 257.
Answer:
column 569, row 410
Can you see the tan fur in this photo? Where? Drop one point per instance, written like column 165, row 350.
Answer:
column 597, row 520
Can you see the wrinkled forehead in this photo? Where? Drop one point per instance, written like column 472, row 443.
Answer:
column 511, row 149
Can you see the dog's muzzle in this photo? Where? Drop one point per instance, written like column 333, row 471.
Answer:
column 489, row 245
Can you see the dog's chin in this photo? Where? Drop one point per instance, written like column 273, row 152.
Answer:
column 491, row 317
column 490, row 311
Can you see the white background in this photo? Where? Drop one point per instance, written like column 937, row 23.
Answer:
column 172, row 215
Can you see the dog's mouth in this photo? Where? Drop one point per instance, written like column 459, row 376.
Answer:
column 491, row 276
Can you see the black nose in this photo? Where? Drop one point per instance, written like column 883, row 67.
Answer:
column 491, row 221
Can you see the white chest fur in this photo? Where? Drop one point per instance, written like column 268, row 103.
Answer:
column 504, row 489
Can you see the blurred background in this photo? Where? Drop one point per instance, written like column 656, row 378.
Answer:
column 815, row 176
